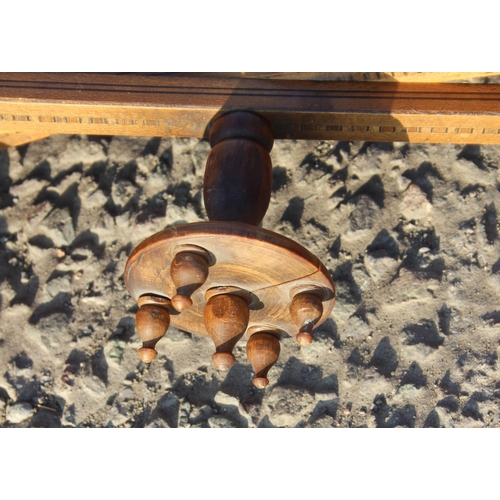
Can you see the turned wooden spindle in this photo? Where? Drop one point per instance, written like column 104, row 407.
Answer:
column 238, row 175
column 306, row 309
column 263, row 350
column 152, row 322
column 226, row 319
column 189, row 271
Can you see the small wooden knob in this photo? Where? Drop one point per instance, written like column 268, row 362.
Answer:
column 189, row 271
column 306, row 309
column 152, row 323
column 263, row 350
column 223, row 361
column 226, row 319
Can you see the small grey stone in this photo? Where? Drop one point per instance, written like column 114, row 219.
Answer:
column 58, row 285
column 224, row 399
column 356, row 329
column 114, row 350
column 364, row 214
column 19, row 412
column 415, row 204
column 287, row 407
column 379, row 265
column 361, row 278
column 220, row 422
column 122, row 408
column 403, row 182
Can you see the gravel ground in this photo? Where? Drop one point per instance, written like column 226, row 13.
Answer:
column 409, row 233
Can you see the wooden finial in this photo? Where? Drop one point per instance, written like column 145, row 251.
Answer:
column 263, row 350
column 226, row 318
column 306, row 309
column 152, row 323
column 189, row 271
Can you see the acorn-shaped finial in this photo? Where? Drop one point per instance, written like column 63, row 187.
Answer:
column 263, row 350
column 189, row 270
column 306, row 309
column 152, row 323
column 226, row 319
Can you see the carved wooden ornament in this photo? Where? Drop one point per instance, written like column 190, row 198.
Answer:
column 228, row 279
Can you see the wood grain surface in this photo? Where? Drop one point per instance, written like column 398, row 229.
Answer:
column 267, row 265
column 13, row 139
column 185, row 105
column 408, row 77
column 263, row 350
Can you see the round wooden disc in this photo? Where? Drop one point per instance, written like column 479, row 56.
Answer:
column 269, row 266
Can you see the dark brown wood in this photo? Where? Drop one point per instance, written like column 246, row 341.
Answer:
column 263, row 350
column 189, row 271
column 152, row 323
column 306, row 309
column 238, row 180
column 185, row 106
column 238, row 174
column 242, row 125
column 226, row 319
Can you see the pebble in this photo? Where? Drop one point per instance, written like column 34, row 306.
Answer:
column 361, row 278
column 122, row 408
column 58, row 285
column 365, row 213
column 97, row 199
column 379, row 267
column 220, row 422
column 287, row 407
column 355, row 329
column 224, row 399
column 415, row 204
column 19, row 412
column 28, row 188
column 403, row 183
column 59, row 227
column 114, row 350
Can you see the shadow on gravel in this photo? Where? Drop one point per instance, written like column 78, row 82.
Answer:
column 425, row 332
column 238, row 383
column 389, row 417
column 299, row 375
column 384, row 359
column 61, row 303
column 414, row 376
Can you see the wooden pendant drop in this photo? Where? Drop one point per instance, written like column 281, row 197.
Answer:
column 226, row 319
column 189, row 271
column 152, row 323
column 263, row 350
column 306, row 309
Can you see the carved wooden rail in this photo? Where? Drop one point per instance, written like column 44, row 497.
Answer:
column 184, row 105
